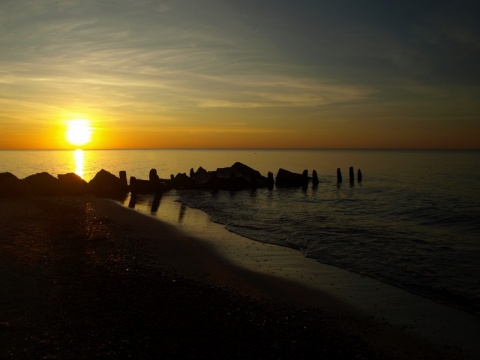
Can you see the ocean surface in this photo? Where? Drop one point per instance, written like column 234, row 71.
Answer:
column 414, row 221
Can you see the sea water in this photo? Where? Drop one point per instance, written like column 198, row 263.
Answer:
column 414, row 220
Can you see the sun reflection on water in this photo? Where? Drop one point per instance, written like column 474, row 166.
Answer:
column 79, row 156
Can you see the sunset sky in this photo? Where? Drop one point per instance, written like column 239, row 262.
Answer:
column 241, row 73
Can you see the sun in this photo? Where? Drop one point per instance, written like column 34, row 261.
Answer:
column 78, row 132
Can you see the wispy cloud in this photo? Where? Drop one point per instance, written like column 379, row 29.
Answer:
column 161, row 62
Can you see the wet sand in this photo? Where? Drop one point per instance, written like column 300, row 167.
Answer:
column 85, row 278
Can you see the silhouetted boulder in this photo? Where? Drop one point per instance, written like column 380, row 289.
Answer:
column 10, row 185
column 226, row 179
column 286, row 178
column 41, row 184
column 181, row 181
column 239, row 176
column 202, row 178
column 107, row 184
column 71, row 184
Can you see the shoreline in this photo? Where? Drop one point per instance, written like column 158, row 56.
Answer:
column 414, row 313
column 90, row 272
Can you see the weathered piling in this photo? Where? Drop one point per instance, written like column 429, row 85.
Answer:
column 153, row 176
column 339, row 176
column 305, row 178
column 351, row 175
column 123, row 178
column 359, row 176
column 314, row 178
column 133, row 192
column 270, row 180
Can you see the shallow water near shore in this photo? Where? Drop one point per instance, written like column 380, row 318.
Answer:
column 412, row 222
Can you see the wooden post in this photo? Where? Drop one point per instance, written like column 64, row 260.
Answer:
column 359, row 176
column 123, row 178
column 305, row 178
column 315, row 178
column 271, row 181
column 339, row 176
column 133, row 192
column 152, row 176
column 352, row 176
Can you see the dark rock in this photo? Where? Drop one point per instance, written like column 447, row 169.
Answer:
column 107, row 184
column 71, row 184
column 181, row 181
column 202, row 178
column 247, row 172
column 232, row 183
column 10, row 185
column 286, row 178
column 239, row 176
column 41, row 184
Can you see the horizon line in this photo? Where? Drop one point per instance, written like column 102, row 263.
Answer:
column 246, row 149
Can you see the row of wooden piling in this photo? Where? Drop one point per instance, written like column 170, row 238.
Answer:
column 351, row 176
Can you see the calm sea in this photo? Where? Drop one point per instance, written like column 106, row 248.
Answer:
column 413, row 222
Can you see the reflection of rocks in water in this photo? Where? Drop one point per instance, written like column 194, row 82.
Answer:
column 181, row 213
column 156, row 202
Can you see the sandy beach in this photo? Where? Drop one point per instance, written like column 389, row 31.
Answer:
column 83, row 277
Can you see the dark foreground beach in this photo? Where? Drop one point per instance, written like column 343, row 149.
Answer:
column 82, row 277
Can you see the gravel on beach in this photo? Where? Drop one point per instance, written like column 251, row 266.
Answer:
column 76, row 285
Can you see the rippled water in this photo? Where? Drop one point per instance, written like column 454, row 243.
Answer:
column 413, row 222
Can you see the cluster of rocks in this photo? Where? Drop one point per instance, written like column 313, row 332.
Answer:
column 103, row 184
column 236, row 177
